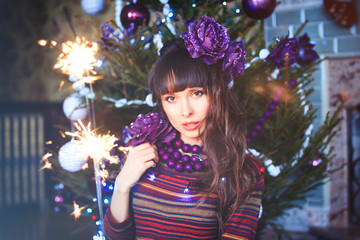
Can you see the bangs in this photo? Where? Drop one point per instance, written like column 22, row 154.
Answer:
column 176, row 72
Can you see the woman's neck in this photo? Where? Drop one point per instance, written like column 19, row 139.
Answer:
column 192, row 141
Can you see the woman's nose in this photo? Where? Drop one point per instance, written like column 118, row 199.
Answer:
column 187, row 108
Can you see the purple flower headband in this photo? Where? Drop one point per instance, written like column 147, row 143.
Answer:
column 209, row 41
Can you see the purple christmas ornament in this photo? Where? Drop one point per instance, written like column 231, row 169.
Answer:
column 258, row 9
column 135, row 13
column 271, row 107
column 261, row 120
column 275, row 100
column 267, row 114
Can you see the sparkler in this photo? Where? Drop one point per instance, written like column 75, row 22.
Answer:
column 47, row 164
column 96, row 146
column 77, row 210
column 78, row 58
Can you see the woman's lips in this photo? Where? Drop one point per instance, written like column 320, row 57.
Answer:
column 191, row 126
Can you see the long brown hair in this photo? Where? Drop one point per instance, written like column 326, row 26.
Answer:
column 229, row 175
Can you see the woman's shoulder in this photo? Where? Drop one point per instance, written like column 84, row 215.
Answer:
column 256, row 166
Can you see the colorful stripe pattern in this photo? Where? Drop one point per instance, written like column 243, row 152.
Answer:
column 167, row 207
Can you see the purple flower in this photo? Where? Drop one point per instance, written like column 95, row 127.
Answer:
column 234, row 60
column 307, row 54
column 110, row 34
column 207, row 40
column 150, row 128
column 287, row 45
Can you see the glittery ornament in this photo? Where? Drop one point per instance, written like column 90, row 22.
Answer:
column 258, row 9
column 135, row 13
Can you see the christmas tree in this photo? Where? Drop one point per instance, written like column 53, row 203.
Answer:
column 273, row 91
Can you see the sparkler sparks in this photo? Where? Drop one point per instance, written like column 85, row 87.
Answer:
column 104, row 174
column 85, row 166
column 96, row 146
column 78, row 58
column 47, row 164
column 46, row 156
column 77, row 210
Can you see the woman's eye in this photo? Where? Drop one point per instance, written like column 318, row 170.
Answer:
column 198, row 93
column 170, row 99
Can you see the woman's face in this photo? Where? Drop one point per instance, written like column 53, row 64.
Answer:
column 186, row 111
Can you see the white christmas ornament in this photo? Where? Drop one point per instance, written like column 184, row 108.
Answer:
column 92, row 6
column 263, row 53
column 72, row 156
column 78, row 86
column 91, row 95
column 149, row 100
column 75, row 108
column 157, row 39
column 73, row 78
column 84, row 91
column 120, row 103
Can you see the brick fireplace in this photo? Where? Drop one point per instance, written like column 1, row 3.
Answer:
column 344, row 83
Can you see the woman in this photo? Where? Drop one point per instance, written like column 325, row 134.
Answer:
column 200, row 185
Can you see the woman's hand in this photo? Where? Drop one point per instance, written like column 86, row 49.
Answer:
column 139, row 159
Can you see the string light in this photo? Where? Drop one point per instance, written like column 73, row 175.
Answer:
column 42, row 42
column 152, row 177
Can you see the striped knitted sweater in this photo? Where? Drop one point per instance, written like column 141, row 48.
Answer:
column 165, row 206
